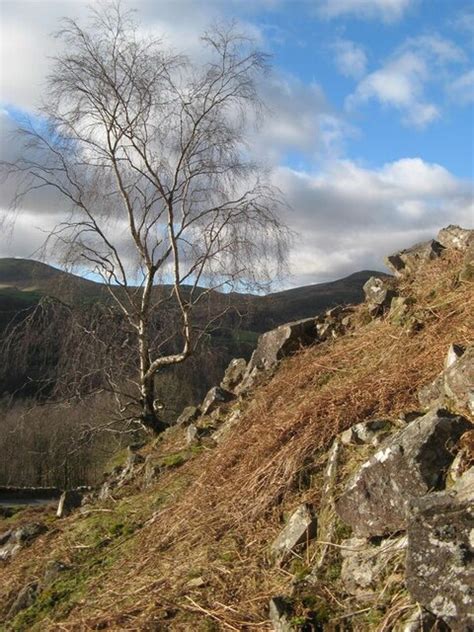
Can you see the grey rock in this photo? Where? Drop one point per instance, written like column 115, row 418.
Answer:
column 222, row 432
column 378, row 294
column 376, row 501
column 455, row 237
column 189, row 414
column 192, row 434
column 13, row 540
column 454, row 385
column 372, row 432
column 301, row 526
column 366, row 565
column 459, row 380
column 423, row 621
column 70, row 499
column 280, row 612
column 234, row 374
column 24, row 599
column 454, row 353
column 408, row 261
column 214, row 398
column 440, row 554
column 399, row 313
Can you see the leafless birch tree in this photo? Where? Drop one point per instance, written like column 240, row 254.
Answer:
column 147, row 150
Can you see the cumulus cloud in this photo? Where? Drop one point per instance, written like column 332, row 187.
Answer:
column 401, row 82
column 385, row 10
column 350, row 58
column 349, row 216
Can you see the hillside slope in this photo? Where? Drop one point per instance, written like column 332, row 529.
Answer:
column 181, row 539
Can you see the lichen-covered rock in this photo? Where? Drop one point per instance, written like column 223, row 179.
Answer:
column 214, row 398
column 301, row 526
column 365, row 565
column 439, row 564
column 459, row 380
column 455, row 237
column 376, row 501
column 454, row 385
column 189, row 414
column 373, row 431
column 234, row 374
column 282, row 341
column 14, row 539
column 408, row 261
column 378, row 294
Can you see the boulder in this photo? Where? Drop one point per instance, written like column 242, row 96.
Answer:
column 189, row 414
column 282, row 341
column 378, row 294
column 233, row 374
column 366, row 566
column 440, row 553
column 376, row 501
column 13, row 540
column 454, row 385
column 459, row 380
column 70, row 499
column 373, row 432
column 301, row 526
column 455, row 237
column 408, row 261
column 214, row 398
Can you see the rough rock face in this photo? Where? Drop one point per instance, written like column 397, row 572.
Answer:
column 378, row 294
column 455, row 237
column 214, row 398
column 302, row 525
column 455, row 384
column 276, row 344
column 233, row 374
column 408, row 261
column 13, row 540
column 376, row 501
column 373, row 431
column 189, row 414
column 440, row 556
column 364, row 564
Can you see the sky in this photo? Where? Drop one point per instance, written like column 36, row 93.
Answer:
column 370, row 131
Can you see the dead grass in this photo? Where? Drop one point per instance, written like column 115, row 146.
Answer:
column 222, row 523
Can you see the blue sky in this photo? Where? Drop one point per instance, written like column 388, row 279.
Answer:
column 370, row 126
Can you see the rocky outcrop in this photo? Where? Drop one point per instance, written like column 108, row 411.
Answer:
column 214, row 398
column 70, row 499
column 13, row 540
column 378, row 294
column 233, row 374
column 373, row 432
column 412, row 463
column 456, row 237
column 365, row 564
column 408, row 261
column 454, row 385
column 301, row 526
column 440, row 556
column 189, row 414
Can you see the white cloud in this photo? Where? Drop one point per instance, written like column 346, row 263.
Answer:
column 462, row 89
column 349, row 217
column 386, row 10
column 401, row 82
column 350, row 58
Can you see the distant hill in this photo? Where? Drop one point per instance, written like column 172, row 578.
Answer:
column 24, row 281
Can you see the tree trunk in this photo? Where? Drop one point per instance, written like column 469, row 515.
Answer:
column 149, row 417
